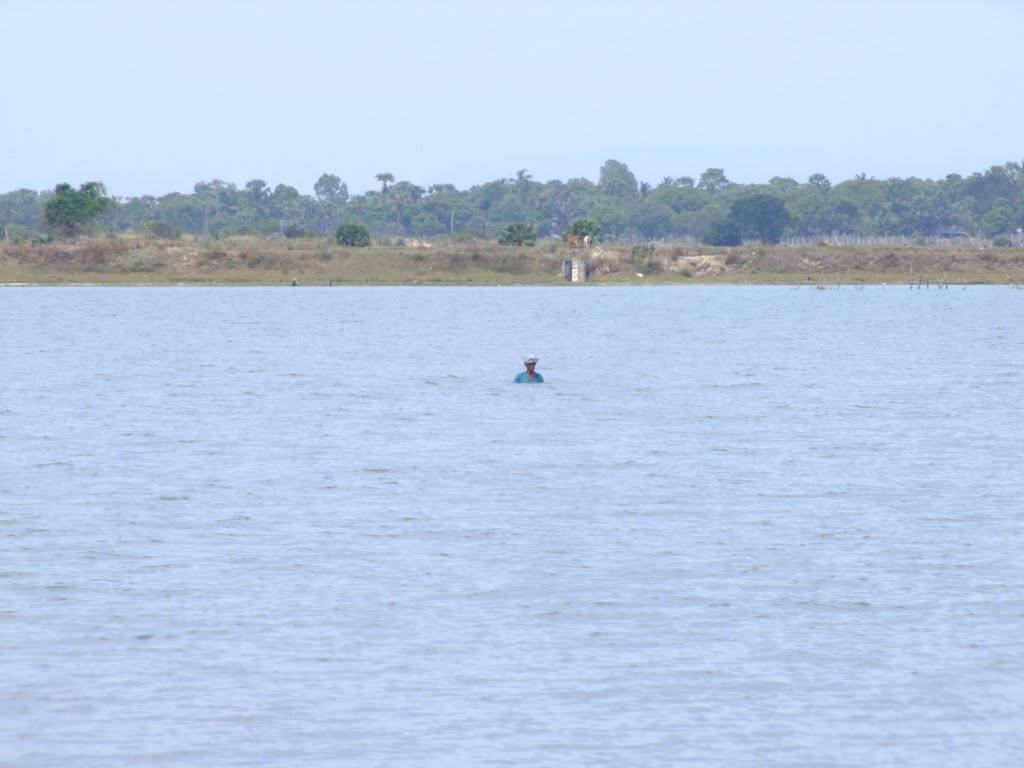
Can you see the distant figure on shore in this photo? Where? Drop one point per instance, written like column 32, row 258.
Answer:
column 529, row 376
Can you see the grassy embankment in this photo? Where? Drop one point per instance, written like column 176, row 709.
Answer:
column 132, row 260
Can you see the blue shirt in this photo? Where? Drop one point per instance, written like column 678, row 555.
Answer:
column 523, row 378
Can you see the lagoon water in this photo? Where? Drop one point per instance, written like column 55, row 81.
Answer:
column 738, row 526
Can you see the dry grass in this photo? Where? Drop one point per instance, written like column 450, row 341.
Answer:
column 317, row 261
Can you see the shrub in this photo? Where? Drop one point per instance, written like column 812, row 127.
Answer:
column 162, row 230
column 641, row 254
column 512, row 266
column 518, row 233
column 352, row 235
column 139, row 260
column 294, row 230
column 581, row 228
column 642, row 257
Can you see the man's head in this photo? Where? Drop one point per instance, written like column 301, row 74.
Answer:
column 530, row 361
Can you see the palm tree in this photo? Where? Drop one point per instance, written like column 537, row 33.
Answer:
column 403, row 194
column 523, row 184
column 385, row 179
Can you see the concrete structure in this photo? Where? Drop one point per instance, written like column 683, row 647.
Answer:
column 574, row 270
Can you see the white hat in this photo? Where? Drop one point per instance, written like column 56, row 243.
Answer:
column 530, row 359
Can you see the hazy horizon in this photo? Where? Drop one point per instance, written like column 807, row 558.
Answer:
column 454, row 92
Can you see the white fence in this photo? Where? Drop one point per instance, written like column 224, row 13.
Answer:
column 895, row 240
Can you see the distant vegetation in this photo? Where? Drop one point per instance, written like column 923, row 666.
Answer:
column 463, row 260
column 518, row 233
column 70, row 212
column 617, row 208
column 356, row 235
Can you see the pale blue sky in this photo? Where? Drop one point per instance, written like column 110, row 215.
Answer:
column 151, row 97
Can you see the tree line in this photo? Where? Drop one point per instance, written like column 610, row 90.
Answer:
column 710, row 209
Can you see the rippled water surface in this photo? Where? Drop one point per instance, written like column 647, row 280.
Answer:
column 303, row 526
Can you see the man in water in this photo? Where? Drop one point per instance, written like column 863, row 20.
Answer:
column 529, row 376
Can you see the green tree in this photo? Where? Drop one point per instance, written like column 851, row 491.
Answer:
column 997, row 186
column 559, row 203
column 331, row 194
column 761, row 214
column 285, row 202
column 330, row 189
column 486, row 196
column 373, row 210
column 611, row 217
column 185, row 212
column 962, row 213
column 21, row 207
column 841, row 216
column 724, row 232
column 352, row 235
column 581, row 228
column 258, row 191
column 518, row 233
column 618, row 182
column 404, row 196
column 509, row 209
column 680, row 195
column 447, row 205
column 384, row 179
column 426, row 224
column 783, row 185
column 223, row 206
column 820, row 181
column 865, row 197
column 139, row 210
column 999, row 221
column 808, row 204
column 652, row 219
column 713, row 181
column 915, row 206
column 69, row 212
column 526, row 188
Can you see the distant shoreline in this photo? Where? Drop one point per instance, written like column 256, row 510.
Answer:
column 131, row 260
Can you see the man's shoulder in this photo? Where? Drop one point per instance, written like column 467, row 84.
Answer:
column 524, row 378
